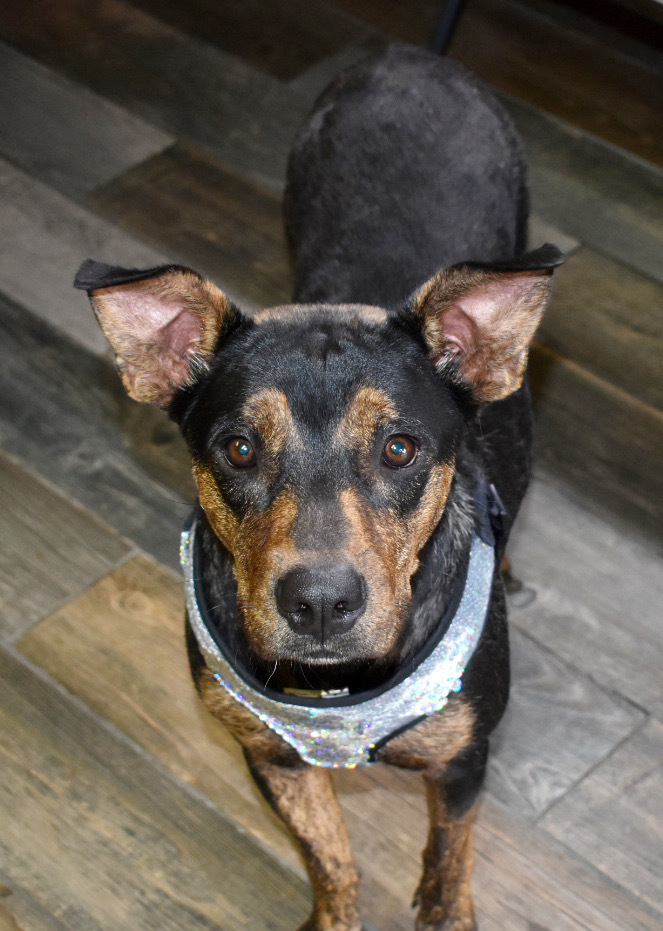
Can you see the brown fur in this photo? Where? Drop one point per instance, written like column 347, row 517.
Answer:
column 140, row 320
column 262, row 550
column 300, row 312
column 367, row 410
column 306, row 801
column 441, row 737
column 269, row 414
column 444, row 896
column 263, row 743
column 493, row 360
column 385, row 548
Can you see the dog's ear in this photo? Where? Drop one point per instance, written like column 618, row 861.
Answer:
column 163, row 324
column 478, row 320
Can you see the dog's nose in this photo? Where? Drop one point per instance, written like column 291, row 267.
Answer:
column 321, row 602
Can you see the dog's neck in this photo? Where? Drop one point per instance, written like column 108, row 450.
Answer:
column 442, row 561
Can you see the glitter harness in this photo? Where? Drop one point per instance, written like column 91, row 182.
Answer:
column 346, row 731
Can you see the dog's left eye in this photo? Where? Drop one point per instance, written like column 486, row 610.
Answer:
column 399, row 451
column 240, row 453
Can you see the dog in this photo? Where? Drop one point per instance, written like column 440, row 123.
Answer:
column 359, row 457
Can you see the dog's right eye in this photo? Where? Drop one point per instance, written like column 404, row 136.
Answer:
column 240, row 453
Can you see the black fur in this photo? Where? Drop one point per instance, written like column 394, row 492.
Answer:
column 408, row 165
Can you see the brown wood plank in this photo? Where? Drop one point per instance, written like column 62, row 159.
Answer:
column 606, row 445
column 608, row 319
column 229, row 228
column 50, row 549
column 601, row 195
column 562, row 64
column 281, row 38
column 105, row 840
column 614, row 816
column 564, row 70
column 23, row 912
column 522, row 879
column 129, row 630
column 126, row 633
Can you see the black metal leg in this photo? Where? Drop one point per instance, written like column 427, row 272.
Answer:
column 446, row 24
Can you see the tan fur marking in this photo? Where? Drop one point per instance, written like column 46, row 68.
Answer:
column 245, row 727
column 148, row 373
column 261, row 548
column 268, row 413
column 223, row 521
column 299, row 313
column 368, row 409
column 385, row 548
column 435, row 741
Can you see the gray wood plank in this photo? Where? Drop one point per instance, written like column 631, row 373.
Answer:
column 606, row 445
column 557, row 727
column 50, row 550
column 44, row 237
column 540, row 231
column 595, row 592
column 63, row 133
column 613, row 818
column 62, row 413
column 106, row 840
column 608, row 319
column 601, row 195
column 187, row 87
column 523, row 879
column 186, row 203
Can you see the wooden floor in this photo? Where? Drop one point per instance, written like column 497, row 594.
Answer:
column 144, row 131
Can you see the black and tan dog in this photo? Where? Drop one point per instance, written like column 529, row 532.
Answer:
column 359, row 456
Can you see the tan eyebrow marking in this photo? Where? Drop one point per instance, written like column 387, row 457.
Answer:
column 268, row 412
column 301, row 312
column 368, row 409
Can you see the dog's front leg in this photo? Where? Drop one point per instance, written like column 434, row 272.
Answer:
column 453, row 764
column 444, row 892
column 303, row 796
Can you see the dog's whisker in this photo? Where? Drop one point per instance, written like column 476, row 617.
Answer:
column 271, row 674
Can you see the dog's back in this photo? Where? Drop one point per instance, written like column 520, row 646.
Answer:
column 407, row 164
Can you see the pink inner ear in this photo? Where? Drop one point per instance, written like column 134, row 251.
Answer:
column 460, row 332
column 488, row 304
column 140, row 313
column 484, row 312
column 181, row 336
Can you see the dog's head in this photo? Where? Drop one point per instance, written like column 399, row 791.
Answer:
column 323, row 438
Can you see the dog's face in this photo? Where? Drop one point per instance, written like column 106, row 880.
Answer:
column 323, row 446
column 323, row 437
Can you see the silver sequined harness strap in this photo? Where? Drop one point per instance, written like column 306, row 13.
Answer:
column 344, row 734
